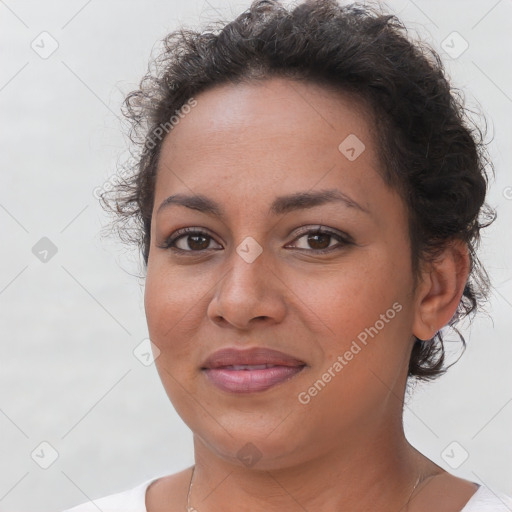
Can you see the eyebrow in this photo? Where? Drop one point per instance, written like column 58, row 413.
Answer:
column 280, row 206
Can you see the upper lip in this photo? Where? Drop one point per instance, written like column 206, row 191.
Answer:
column 255, row 355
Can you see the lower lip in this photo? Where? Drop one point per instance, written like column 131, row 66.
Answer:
column 248, row 381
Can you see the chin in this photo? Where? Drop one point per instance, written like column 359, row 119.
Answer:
column 251, row 446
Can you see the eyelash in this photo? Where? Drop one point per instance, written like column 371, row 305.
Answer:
column 182, row 233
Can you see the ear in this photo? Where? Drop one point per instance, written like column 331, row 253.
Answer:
column 440, row 291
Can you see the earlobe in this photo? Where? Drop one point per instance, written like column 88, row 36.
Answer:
column 440, row 291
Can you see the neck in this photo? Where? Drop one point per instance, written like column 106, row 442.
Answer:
column 357, row 476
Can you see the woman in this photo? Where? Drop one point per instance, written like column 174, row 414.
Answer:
column 308, row 201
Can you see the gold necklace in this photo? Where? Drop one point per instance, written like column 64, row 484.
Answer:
column 189, row 508
column 412, row 492
column 192, row 509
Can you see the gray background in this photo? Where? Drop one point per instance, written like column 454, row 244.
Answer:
column 69, row 325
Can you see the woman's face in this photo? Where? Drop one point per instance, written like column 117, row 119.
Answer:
column 277, row 160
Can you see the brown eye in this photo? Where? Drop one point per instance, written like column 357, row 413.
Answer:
column 320, row 240
column 196, row 242
column 188, row 240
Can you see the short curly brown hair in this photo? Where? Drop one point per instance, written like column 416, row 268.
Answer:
column 432, row 152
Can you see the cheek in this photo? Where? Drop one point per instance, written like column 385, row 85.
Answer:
column 166, row 305
column 353, row 295
column 172, row 301
column 170, row 304
column 365, row 307
column 156, row 304
column 176, row 300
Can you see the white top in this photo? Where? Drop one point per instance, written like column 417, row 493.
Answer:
column 134, row 500
column 131, row 500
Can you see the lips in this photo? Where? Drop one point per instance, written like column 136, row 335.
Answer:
column 252, row 370
column 250, row 357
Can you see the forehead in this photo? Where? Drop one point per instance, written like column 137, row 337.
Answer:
column 271, row 133
column 277, row 108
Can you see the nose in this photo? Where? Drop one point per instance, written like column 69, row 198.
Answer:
column 250, row 293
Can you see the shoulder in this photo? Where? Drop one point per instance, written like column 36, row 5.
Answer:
column 149, row 496
column 129, row 500
column 445, row 492
column 169, row 493
column 487, row 500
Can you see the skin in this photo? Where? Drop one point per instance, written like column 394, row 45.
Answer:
column 242, row 146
